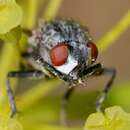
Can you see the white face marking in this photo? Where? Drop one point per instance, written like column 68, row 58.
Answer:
column 68, row 66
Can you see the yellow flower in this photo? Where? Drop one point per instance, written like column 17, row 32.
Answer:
column 10, row 15
column 114, row 118
column 7, row 123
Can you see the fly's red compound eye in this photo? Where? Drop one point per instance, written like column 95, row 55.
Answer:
column 59, row 54
column 94, row 50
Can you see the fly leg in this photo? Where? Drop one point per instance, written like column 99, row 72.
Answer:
column 21, row 74
column 97, row 70
column 112, row 73
column 64, row 104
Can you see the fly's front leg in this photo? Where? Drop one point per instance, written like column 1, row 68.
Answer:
column 112, row 73
column 22, row 74
column 64, row 104
column 11, row 97
column 97, row 70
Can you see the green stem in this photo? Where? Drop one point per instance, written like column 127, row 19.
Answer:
column 9, row 61
column 30, row 9
column 52, row 9
column 112, row 35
